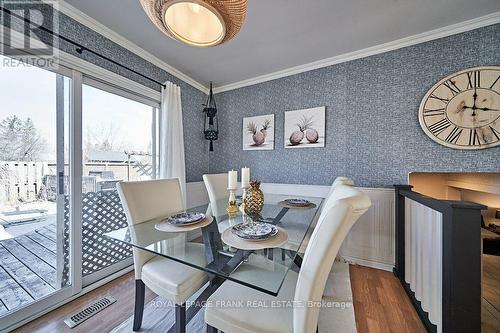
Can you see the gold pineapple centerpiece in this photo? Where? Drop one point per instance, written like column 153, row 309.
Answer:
column 254, row 200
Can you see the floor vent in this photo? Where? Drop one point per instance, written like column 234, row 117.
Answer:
column 89, row 311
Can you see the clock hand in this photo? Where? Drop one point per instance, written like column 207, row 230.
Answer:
column 474, row 107
column 487, row 109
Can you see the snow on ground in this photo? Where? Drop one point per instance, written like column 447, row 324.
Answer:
column 22, row 217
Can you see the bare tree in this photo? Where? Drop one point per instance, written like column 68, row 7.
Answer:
column 20, row 140
column 103, row 138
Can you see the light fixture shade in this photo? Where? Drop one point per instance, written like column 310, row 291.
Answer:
column 197, row 22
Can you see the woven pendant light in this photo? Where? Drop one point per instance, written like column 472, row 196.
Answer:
column 197, row 22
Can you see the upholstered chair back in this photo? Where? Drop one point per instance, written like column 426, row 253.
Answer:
column 341, row 181
column 216, row 185
column 146, row 200
column 330, row 198
column 347, row 205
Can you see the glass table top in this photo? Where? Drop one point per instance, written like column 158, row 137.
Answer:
column 264, row 270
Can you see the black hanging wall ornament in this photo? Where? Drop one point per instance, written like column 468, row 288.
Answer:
column 211, row 124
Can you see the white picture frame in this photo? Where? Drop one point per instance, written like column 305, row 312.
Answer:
column 305, row 128
column 258, row 132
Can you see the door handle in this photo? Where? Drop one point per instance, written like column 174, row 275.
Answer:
column 61, row 182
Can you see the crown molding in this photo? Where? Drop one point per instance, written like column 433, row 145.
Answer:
column 453, row 29
column 100, row 28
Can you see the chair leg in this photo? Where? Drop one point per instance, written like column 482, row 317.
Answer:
column 180, row 318
column 139, row 304
column 211, row 329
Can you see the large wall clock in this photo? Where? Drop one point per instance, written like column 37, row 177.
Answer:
column 462, row 111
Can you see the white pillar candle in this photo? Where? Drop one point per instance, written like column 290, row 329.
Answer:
column 232, row 180
column 245, row 177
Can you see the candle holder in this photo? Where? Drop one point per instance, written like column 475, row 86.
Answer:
column 242, row 205
column 232, row 208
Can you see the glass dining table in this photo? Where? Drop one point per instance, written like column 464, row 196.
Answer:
column 264, row 269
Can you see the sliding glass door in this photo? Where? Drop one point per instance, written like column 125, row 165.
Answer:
column 66, row 140
column 119, row 143
column 35, row 256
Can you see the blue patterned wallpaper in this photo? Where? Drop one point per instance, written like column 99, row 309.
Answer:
column 373, row 134
column 192, row 98
column 372, row 127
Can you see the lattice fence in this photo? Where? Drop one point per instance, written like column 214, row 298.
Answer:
column 102, row 212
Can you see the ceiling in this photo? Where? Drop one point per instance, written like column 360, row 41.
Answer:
column 279, row 34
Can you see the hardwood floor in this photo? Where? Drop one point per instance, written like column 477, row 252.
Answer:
column 380, row 305
column 490, row 319
column 122, row 289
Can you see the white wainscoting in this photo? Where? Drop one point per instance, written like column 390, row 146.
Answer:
column 370, row 242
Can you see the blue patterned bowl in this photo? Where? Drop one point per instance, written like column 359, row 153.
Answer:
column 254, row 231
column 297, row 202
column 185, row 218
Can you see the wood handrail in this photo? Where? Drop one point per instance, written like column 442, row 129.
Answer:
column 437, row 204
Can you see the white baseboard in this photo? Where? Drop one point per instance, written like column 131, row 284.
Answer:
column 368, row 263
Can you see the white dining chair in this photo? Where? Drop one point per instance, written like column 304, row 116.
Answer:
column 329, row 198
column 339, row 181
column 216, row 185
column 326, row 203
column 152, row 199
column 300, row 288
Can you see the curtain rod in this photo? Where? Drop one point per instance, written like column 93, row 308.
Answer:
column 79, row 47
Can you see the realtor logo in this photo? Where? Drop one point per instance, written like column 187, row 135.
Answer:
column 28, row 33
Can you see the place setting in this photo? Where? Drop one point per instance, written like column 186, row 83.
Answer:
column 254, row 236
column 185, row 221
column 297, row 203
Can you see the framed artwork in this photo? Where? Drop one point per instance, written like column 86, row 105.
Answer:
column 258, row 132
column 305, row 128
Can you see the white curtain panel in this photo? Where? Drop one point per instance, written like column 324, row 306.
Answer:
column 172, row 163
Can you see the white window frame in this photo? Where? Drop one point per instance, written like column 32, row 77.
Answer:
column 113, row 89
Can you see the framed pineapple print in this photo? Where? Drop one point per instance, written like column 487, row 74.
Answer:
column 305, row 128
column 258, row 132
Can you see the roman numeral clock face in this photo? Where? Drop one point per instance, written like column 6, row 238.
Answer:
column 462, row 111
